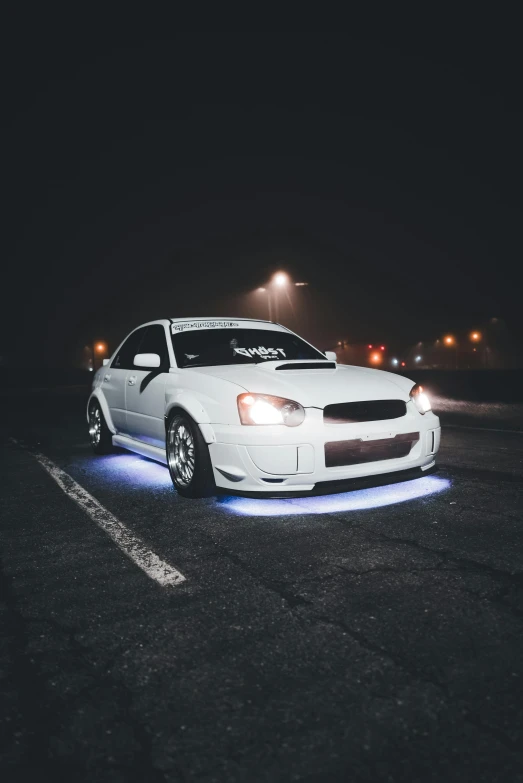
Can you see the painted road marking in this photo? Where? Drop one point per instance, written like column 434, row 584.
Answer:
column 128, row 542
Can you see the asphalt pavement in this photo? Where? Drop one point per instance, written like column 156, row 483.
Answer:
column 368, row 636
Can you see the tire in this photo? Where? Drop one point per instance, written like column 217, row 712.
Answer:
column 99, row 433
column 188, row 458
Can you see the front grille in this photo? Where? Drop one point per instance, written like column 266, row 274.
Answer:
column 367, row 410
column 356, row 452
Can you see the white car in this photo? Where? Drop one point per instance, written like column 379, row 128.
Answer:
column 249, row 407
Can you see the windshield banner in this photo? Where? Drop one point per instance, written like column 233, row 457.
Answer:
column 191, row 325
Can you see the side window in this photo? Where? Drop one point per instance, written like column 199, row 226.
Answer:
column 154, row 342
column 124, row 358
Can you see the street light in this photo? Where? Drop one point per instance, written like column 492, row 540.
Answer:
column 280, row 279
column 450, row 341
column 475, row 337
column 97, row 348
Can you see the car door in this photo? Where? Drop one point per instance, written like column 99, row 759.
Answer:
column 145, row 391
column 115, row 376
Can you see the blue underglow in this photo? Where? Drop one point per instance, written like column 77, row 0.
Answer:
column 356, row 500
column 133, row 470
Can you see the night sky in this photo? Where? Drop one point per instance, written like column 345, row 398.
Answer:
column 172, row 176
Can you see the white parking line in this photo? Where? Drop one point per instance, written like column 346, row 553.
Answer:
column 130, row 544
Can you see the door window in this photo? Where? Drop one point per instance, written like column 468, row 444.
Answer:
column 124, row 358
column 154, row 341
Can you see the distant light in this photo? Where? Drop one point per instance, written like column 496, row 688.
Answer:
column 449, row 340
column 100, row 347
column 375, row 358
column 281, row 279
column 394, row 362
column 301, row 284
column 261, row 289
column 339, row 342
column 417, row 359
column 403, row 364
column 369, row 347
column 90, row 369
column 382, row 347
column 475, row 336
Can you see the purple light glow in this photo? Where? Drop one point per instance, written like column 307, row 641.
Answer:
column 133, row 470
column 357, row 500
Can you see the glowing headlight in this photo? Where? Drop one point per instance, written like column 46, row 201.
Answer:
column 266, row 409
column 420, row 398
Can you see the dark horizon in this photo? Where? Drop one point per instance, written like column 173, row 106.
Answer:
column 161, row 179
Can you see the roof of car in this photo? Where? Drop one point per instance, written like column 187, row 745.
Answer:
column 221, row 318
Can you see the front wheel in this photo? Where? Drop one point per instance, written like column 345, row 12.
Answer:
column 188, row 458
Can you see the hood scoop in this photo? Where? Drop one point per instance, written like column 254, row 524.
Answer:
column 307, row 366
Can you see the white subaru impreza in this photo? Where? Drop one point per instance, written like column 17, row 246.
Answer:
column 249, row 407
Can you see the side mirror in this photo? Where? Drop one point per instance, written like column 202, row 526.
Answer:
column 147, row 360
column 331, row 356
column 105, row 362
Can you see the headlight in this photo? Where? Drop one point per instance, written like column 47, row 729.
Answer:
column 266, row 409
column 420, row 398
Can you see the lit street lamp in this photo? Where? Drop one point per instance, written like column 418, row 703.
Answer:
column 97, row 348
column 280, row 281
column 450, row 341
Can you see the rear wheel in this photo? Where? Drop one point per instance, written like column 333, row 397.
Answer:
column 188, row 458
column 99, row 433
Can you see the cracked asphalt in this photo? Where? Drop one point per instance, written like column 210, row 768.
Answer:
column 373, row 637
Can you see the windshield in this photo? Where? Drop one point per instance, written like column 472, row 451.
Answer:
column 213, row 347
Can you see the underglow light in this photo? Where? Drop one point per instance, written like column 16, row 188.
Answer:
column 358, row 500
column 132, row 471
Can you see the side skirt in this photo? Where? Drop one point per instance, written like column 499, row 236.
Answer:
column 152, row 452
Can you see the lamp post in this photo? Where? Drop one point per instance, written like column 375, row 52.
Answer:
column 279, row 282
column 97, row 348
column 450, row 341
column 476, row 337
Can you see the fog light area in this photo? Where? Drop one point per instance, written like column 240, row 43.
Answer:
column 356, row 500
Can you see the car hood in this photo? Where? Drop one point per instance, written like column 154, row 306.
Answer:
column 314, row 388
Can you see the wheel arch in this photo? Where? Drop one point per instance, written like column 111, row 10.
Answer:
column 192, row 407
column 98, row 397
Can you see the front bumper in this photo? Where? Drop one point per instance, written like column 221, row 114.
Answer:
column 283, row 460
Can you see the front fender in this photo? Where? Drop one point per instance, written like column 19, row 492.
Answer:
column 98, row 395
column 189, row 403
